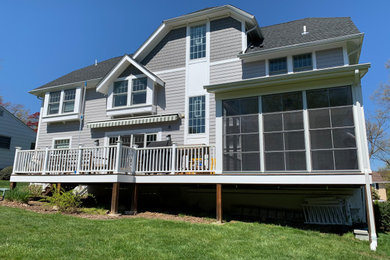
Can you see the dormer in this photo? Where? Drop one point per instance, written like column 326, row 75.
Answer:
column 130, row 89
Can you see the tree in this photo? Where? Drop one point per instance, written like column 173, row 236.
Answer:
column 22, row 113
column 378, row 125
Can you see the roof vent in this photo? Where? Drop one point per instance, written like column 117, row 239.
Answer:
column 95, row 62
column 304, row 30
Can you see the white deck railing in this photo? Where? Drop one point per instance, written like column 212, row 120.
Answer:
column 116, row 159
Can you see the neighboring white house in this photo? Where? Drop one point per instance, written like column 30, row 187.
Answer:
column 13, row 133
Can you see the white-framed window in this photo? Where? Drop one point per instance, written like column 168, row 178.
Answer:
column 119, row 94
column 141, row 139
column 197, row 115
column 61, row 143
column 278, row 66
column 302, row 62
column 69, row 100
column 54, row 103
column 198, row 42
column 138, row 91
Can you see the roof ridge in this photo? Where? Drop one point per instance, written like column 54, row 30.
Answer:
column 306, row 18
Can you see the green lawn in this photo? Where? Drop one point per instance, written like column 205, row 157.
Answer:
column 29, row 235
column 4, row 184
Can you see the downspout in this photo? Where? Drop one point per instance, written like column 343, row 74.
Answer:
column 82, row 111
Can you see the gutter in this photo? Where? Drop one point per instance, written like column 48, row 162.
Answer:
column 43, row 90
column 300, row 45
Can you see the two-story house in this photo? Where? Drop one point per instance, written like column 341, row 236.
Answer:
column 278, row 106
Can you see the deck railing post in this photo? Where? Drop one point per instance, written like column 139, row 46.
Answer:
column 134, row 159
column 118, row 156
column 173, row 165
column 14, row 167
column 79, row 159
column 46, row 161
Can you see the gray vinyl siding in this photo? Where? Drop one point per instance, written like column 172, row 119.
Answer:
column 330, row 58
column 171, row 99
column 20, row 134
column 170, row 52
column 253, row 69
column 212, row 106
column 226, row 72
column 130, row 70
column 225, row 39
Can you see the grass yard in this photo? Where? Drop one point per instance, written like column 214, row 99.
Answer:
column 29, row 235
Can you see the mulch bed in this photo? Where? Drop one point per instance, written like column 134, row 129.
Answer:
column 44, row 208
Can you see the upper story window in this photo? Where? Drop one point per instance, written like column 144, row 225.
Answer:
column 120, row 93
column 69, row 99
column 54, row 102
column 332, row 130
column 138, row 93
column 5, row 142
column 302, row 62
column 278, row 66
column 197, row 115
column 197, row 42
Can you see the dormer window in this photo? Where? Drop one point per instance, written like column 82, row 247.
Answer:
column 302, row 62
column 54, row 103
column 278, row 66
column 120, row 93
column 197, row 42
column 138, row 93
column 69, row 99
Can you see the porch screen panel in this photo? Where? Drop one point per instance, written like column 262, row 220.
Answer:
column 284, row 141
column 241, row 135
column 332, row 129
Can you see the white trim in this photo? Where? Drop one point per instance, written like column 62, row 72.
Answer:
column 314, row 59
column 61, row 138
column 170, row 71
column 308, row 179
column 149, row 40
column 345, row 55
column 306, row 128
column 39, row 126
column 261, row 135
column 219, row 136
column 243, row 37
column 119, row 68
column 224, row 61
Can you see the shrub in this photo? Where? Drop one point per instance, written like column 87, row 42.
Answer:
column 5, row 174
column 65, row 201
column 19, row 194
column 35, row 191
column 382, row 215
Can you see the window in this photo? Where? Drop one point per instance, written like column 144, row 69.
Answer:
column 5, row 142
column 142, row 140
column 120, row 93
column 138, row 94
column 302, row 62
column 197, row 115
column 284, row 139
column 54, row 102
column 197, row 42
column 332, row 131
column 69, row 99
column 278, row 66
column 61, row 143
column 241, row 135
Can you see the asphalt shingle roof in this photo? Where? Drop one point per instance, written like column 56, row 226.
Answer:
column 278, row 35
column 290, row 33
column 86, row 73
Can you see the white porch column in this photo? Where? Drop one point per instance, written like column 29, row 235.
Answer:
column 218, row 137
column 173, row 159
column 45, row 163
column 370, row 214
column 118, row 156
column 79, row 159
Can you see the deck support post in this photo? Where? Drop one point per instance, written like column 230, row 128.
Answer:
column 115, row 198
column 59, row 187
column 219, row 202
column 12, row 185
column 370, row 217
column 134, row 200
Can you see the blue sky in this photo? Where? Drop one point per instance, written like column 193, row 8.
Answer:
column 43, row 40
